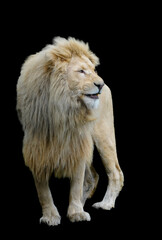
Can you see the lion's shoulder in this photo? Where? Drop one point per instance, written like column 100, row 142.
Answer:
column 105, row 106
column 105, row 97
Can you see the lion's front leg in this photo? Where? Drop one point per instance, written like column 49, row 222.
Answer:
column 49, row 210
column 75, row 210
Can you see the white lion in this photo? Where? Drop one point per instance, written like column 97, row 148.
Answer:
column 65, row 108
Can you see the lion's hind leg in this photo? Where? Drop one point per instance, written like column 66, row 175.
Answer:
column 107, row 150
column 114, row 187
column 104, row 138
column 90, row 183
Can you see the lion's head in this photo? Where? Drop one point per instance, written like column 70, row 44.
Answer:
column 58, row 85
column 74, row 72
column 83, row 79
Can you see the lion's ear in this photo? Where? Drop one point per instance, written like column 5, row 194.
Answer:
column 53, row 53
column 49, row 64
column 50, row 58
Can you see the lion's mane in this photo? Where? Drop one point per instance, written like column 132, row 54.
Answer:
column 57, row 128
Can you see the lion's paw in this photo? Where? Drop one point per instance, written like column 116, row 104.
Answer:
column 104, row 205
column 51, row 220
column 80, row 216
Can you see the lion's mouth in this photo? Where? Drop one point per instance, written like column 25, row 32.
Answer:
column 93, row 96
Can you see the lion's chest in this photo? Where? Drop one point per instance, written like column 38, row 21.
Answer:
column 68, row 151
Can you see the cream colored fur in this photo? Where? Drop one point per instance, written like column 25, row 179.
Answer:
column 62, row 122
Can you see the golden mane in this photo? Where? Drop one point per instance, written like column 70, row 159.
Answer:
column 66, row 48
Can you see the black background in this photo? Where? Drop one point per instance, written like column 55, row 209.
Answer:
column 119, row 35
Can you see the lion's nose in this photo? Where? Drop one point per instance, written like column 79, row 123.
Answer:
column 100, row 86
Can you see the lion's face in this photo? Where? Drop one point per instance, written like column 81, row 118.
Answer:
column 84, row 82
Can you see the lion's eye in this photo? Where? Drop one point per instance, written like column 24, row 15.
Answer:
column 81, row 71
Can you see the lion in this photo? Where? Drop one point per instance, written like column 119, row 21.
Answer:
column 65, row 109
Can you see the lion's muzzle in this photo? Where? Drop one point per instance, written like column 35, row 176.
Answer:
column 100, row 86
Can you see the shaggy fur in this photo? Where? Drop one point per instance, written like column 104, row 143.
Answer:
column 62, row 117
